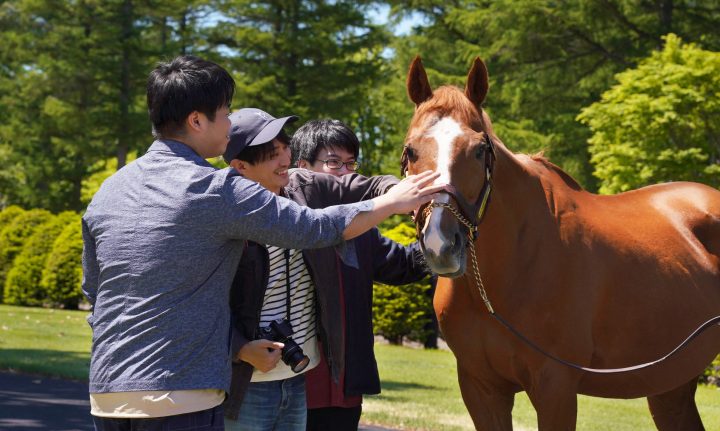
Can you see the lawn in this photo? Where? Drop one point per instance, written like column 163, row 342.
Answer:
column 45, row 341
column 420, row 392
column 419, row 387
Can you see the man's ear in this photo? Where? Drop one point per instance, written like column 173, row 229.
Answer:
column 303, row 164
column 239, row 166
column 194, row 121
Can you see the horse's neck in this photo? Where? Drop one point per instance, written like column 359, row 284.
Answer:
column 520, row 224
column 528, row 196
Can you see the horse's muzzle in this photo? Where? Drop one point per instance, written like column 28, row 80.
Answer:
column 443, row 244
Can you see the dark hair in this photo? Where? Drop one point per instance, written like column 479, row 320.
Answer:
column 184, row 85
column 259, row 153
column 315, row 135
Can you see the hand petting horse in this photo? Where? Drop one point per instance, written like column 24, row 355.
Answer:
column 570, row 290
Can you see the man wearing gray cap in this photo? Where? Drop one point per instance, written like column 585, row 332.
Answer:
column 162, row 239
column 279, row 291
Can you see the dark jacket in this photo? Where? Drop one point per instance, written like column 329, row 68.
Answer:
column 379, row 259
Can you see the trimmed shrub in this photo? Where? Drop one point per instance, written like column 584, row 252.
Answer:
column 14, row 235
column 62, row 276
column 8, row 215
column 711, row 376
column 402, row 311
column 22, row 286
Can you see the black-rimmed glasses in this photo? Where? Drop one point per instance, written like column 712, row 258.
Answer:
column 337, row 164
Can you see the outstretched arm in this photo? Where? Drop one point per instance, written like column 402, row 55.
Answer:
column 407, row 195
column 256, row 214
column 395, row 263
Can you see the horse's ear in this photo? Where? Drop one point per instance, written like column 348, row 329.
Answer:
column 477, row 85
column 418, row 87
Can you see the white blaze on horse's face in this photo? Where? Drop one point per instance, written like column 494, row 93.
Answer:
column 444, row 132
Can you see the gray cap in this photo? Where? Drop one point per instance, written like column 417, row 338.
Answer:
column 252, row 126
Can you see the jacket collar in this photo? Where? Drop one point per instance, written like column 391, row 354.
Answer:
column 178, row 149
column 174, row 147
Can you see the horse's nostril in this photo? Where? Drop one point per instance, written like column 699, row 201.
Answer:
column 457, row 242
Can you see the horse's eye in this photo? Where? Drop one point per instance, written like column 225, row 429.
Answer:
column 480, row 152
column 411, row 153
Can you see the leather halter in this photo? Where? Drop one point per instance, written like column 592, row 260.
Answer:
column 472, row 213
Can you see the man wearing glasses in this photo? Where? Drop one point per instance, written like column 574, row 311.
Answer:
column 335, row 390
column 327, row 146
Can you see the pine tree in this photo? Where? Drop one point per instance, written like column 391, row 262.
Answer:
column 72, row 88
column 310, row 58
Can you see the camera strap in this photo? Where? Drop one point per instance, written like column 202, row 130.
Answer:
column 287, row 283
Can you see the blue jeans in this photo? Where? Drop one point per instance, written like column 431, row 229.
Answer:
column 272, row 406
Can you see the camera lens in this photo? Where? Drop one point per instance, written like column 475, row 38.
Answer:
column 294, row 357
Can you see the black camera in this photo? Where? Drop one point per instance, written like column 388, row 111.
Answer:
column 281, row 330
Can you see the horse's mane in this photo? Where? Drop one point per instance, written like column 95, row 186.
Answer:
column 552, row 167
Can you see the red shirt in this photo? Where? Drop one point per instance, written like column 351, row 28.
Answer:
column 319, row 386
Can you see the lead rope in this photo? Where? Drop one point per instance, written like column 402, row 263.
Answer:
column 472, row 230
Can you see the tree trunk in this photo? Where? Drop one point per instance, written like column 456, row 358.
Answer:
column 183, row 31
column 125, row 96
column 665, row 12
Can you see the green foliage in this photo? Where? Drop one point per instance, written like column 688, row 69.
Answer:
column 62, row 275
column 22, row 286
column 72, row 88
column 547, row 59
column 711, row 376
column 401, row 311
column 315, row 59
column 403, row 233
column 8, row 214
column 661, row 122
column 100, row 172
column 14, row 235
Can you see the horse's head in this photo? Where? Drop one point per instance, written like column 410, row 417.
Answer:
column 449, row 133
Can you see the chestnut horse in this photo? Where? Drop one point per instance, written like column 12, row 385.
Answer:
column 603, row 282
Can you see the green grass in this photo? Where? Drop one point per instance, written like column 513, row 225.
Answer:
column 419, row 387
column 45, row 341
column 420, row 391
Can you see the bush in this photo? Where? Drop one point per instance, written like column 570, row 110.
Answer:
column 22, row 286
column 62, row 276
column 711, row 376
column 8, row 215
column 402, row 311
column 14, row 235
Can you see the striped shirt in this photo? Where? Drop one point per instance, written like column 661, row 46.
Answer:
column 302, row 307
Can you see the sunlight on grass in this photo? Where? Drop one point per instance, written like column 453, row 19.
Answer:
column 419, row 387
column 45, row 341
column 420, row 392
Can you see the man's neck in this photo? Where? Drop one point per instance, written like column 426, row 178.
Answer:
column 186, row 140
